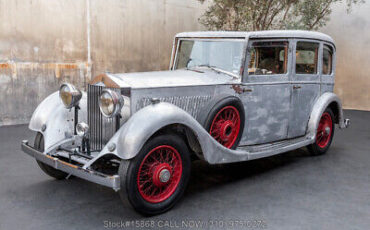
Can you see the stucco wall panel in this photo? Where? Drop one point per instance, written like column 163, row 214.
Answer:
column 44, row 43
column 42, row 31
column 24, row 85
column 350, row 32
column 138, row 34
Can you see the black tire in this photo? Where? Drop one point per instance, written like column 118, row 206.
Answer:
column 129, row 174
column 216, row 106
column 57, row 174
column 315, row 148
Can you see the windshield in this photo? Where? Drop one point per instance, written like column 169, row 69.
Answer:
column 224, row 55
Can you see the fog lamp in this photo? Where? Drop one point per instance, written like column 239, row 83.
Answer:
column 82, row 129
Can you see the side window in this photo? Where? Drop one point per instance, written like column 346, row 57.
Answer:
column 268, row 58
column 327, row 60
column 306, row 57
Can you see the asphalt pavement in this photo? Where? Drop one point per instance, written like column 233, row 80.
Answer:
column 289, row 191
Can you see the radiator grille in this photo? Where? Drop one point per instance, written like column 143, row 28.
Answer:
column 101, row 128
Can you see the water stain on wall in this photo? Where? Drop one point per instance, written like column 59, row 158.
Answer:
column 44, row 43
column 24, row 84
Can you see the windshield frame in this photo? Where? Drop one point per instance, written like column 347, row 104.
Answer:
column 221, row 39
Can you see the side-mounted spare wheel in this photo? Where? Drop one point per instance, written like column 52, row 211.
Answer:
column 57, row 174
column 224, row 119
column 324, row 134
column 156, row 178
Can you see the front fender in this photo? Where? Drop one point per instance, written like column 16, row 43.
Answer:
column 320, row 105
column 56, row 119
column 131, row 137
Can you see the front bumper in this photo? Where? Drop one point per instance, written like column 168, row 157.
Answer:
column 90, row 175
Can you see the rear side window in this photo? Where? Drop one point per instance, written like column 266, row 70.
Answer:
column 327, row 60
column 267, row 58
column 306, row 57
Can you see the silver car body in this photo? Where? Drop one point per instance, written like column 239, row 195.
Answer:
column 282, row 112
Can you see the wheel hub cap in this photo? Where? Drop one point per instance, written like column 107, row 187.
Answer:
column 226, row 130
column 161, row 174
column 164, row 175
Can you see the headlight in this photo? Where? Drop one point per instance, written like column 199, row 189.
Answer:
column 69, row 95
column 110, row 103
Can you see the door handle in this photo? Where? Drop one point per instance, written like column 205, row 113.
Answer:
column 239, row 90
column 296, row 87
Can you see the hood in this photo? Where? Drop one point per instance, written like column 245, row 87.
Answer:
column 169, row 78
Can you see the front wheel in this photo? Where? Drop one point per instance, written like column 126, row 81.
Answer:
column 157, row 177
column 324, row 134
column 57, row 174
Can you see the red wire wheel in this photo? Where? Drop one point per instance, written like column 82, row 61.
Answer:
column 225, row 126
column 159, row 174
column 324, row 131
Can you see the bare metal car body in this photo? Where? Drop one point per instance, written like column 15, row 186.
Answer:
column 282, row 111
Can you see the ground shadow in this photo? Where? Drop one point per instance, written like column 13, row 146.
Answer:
column 206, row 176
column 83, row 196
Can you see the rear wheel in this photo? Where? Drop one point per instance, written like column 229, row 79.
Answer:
column 225, row 122
column 156, row 178
column 57, row 174
column 324, row 134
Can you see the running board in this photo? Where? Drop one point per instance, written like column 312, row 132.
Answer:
column 265, row 150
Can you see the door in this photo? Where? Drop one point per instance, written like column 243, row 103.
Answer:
column 305, row 86
column 266, row 91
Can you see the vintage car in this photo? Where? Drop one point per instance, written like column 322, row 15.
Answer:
column 227, row 97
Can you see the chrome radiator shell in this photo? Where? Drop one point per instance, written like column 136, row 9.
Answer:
column 101, row 127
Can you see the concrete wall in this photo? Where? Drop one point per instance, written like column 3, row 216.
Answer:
column 44, row 43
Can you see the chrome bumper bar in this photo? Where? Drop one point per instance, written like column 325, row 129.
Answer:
column 90, row 175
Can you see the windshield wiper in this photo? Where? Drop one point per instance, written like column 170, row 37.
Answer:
column 218, row 70
column 198, row 71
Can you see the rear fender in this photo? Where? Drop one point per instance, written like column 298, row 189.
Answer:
column 320, row 105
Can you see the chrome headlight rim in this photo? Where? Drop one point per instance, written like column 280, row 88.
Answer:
column 75, row 95
column 117, row 101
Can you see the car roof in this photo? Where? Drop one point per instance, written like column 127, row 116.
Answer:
column 258, row 34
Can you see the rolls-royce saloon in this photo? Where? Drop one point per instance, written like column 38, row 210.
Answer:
column 227, row 97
